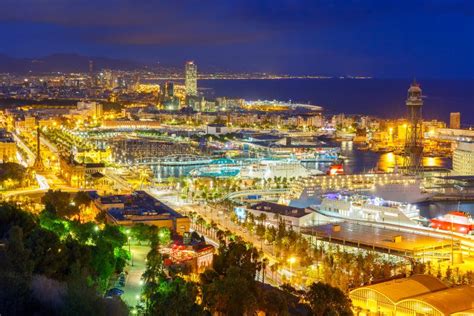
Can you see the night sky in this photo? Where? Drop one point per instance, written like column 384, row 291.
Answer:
column 382, row 38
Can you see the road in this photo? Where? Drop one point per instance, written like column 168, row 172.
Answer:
column 133, row 284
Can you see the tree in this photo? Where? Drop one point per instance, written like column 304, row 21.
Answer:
column 174, row 297
column 153, row 274
column 230, row 287
column 164, row 235
column 273, row 302
column 141, row 232
column 232, row 294
column 327, row 300
column 81, row 201
column 60, row 203
column 15, row 275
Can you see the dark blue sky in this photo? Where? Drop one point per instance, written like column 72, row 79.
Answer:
column 383, row 38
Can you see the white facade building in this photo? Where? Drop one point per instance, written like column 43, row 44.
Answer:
column 217, row 129
column 463, row 159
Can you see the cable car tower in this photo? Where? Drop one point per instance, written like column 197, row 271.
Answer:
column 414, row 140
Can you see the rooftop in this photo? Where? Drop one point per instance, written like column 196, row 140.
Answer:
column 138, row 204
column 448, row 301
column 381, row 238
column 399, row 289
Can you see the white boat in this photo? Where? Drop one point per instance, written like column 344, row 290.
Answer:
column 407, row 193
column 363, row 207
column 270, row 169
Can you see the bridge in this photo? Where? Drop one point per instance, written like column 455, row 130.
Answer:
column 244, row 195
column 175, row 160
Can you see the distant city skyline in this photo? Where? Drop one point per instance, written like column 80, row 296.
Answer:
column 388, row 39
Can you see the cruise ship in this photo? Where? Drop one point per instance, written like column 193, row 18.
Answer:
column 368, row 208
column 268, row 169
column 410, row 192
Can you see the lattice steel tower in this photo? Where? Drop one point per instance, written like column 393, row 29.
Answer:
column 414, row 143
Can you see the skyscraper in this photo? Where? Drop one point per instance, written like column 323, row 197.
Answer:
column 455, row 120
column 413, row 143
column 169, row 89
column 191, row 79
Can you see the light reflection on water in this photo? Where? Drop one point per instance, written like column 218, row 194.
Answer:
column 356, row 161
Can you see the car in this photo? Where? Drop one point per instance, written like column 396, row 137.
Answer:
column 114, row 292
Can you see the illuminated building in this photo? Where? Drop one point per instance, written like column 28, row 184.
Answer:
column 293, row 216
column 191, row 79
column 88, row 109
column 7, row 147
column 416, row 295
column 129, row 124
column 169, row 89
column 463, row 159
column 455, row 120
column 413, row 144
column 76, row 173
column 198, row 257
column 216, row 129
column 29, row 123
column 145, row 150
column 140, row 207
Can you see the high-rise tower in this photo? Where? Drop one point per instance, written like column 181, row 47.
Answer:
column 191, row 79
column 413, row 143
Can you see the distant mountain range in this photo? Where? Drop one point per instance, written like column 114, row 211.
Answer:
column 63, row 63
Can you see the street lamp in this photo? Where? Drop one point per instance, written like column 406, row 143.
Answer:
column 129, row 250
column 129, row 247
column 291, row 260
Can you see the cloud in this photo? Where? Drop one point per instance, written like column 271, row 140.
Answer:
column 177, row 38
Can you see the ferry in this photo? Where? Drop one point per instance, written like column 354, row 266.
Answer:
column 267, row 169
column 215, row 171
column 320, row 155
column 369, row 208
column 455, row 221
column 335, row 169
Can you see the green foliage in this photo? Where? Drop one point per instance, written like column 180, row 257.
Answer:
column 174, row 297
column 82, row 198
column 164, row 236
column 273, row 302
column 141, row 232
column 73, row 254
column 13, row 175
column 13, row 216
column 230, row 288
column 232, row 294
column 60, row 203
column 327, row 300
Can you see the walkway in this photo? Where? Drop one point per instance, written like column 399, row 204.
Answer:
column 133, row 284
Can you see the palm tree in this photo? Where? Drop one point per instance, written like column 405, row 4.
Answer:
column 262, row 218
column 200, row 222
column 214, row 227
column 264, row 267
